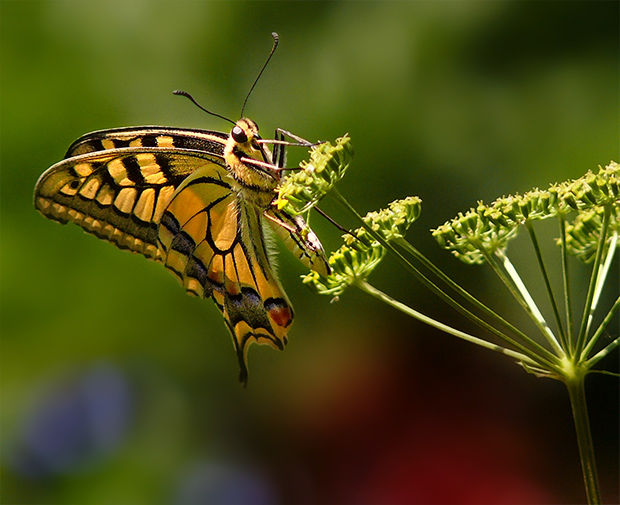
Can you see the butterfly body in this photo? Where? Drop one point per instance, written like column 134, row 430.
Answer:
column 197, row 201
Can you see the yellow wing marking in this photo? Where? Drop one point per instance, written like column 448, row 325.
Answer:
column 118, row 194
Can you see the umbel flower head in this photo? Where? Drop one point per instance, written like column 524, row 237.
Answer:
column 583, row 235
column 486, row 230
column 362, row 251
column 304, row 188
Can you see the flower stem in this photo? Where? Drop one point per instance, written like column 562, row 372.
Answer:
column 556, row 312
column 594, row 285
column 380, row 295
column 543, row 358
column 567, row 290
column 517, row 288
column 529, row 343
column 575, row 385
column 601, row 329
column 603, row 271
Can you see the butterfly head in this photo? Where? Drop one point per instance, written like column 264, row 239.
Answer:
column 245, row 135
column 248, row 159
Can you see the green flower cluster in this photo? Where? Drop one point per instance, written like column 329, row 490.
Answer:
column 593, row 190
column 486, row 230
column 362, row 251
column 583, row 235
column 391, row 223
column 304, row 188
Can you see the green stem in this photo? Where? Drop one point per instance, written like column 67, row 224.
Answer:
column 474, row 301
column 603, row 271
column 594, row 286
column 517, row 288
column 602, row 353
column 566, row 282
column 380, row 295
column 540, row 356
column 541, row 264
column 608, row 348
column 575, row 385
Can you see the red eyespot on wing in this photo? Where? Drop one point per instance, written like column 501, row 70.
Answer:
column 279, row 311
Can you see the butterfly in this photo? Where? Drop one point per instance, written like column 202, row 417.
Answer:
column 197, row 201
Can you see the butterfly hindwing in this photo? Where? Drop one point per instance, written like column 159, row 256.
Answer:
column 212, row 241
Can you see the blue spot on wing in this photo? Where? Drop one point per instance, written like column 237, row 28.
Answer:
column 169, row 222
column 183, row 243
column 247, row 306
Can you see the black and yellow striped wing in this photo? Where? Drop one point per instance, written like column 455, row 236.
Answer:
column 168, row 194
column 116, row 183
column 213, row 242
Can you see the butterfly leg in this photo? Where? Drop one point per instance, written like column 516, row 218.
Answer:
column 280, row 133
column 279, row 150
column 299, row 238
column 275, row 219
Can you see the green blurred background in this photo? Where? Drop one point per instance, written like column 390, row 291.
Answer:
column 117, row 388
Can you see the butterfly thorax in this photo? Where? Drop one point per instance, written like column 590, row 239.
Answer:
column 256, row 181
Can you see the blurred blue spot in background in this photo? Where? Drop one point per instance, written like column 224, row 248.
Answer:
column 225, row 484
column 73, row 423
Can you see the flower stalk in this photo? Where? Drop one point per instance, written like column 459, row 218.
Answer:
column 579, row 408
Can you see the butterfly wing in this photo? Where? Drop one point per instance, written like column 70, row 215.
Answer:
column 212, row 240
column 116, row 184
column 149, row 136
column 118, row 195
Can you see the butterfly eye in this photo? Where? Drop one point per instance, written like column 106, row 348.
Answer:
column 239, row 135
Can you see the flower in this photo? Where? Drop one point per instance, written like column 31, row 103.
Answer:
column 304, row 188
column 362, row 251
column 486, row 230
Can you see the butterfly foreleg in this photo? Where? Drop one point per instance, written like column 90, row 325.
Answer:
column 280, row 144
column 263, row 166
column 299, row 141
column 279, row 150
column 274, row 219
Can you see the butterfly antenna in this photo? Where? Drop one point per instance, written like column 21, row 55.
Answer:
column 276, row 39
column 187, row 95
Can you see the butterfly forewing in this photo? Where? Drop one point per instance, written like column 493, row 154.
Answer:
column 117, row 194
column 149, row 136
